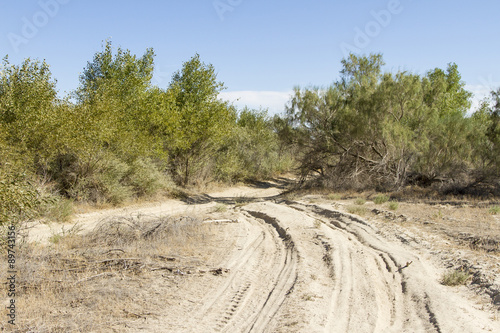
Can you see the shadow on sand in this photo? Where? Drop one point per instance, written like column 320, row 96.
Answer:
column 281, row 183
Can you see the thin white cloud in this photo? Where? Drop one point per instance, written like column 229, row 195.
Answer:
column 483, row 90
column 480, row 92
column 274, row 101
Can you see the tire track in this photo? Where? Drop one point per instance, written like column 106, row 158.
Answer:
column 366, row 276
column 261, row 277
column 309, row 268
column 223, row 304
column 286, row 278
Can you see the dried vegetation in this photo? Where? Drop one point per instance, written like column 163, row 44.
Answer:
column 106, row 280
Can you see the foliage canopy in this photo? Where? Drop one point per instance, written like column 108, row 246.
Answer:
column 118, row 136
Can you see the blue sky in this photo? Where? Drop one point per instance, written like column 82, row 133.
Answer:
column 260, row 49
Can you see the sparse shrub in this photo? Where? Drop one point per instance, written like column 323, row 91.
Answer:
column 65, row 234
column 357, row 210
column 220, row 208
column 393, row 205
column 97, row 180
column 110, row 181
column 438, row 215
column 360, row 201
column 494, row 210
column 240, row 199
column 91, row 272
column 455, row 278
column 334, row 196
column 55, row 239
column 290, row 195
column 381, row 199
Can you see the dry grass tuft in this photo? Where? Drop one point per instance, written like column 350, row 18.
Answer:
column 360, row 201
column 468, row 224
column 494, row 210
column 220, row 208
column 334, row 196
column 455, row 278
column 357, row 210
column 97, row 282
column 380, row 199
column 393, row 205
column 122, row 231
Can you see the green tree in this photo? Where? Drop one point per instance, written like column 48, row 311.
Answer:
column 19, row 199
column 445, row 128
column 204, row 120
column 377, row 129
column 483, row 148
column 493, row 131
column 485, row 137
column 27, row 107
column 253, row 150
column 113, row 98
column 114, row 143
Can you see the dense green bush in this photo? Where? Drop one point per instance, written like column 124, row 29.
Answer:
column 253, row 149
column 19, row 199
column 119, row 137
column 146, row 178
column 383, row 130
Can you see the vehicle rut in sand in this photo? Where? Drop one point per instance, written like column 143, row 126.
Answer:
column 299, row 267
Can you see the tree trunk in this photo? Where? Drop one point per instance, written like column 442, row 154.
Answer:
column 186, row 174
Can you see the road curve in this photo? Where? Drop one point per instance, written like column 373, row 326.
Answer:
column 309, row 268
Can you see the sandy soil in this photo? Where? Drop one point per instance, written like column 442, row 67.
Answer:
column 299, row 266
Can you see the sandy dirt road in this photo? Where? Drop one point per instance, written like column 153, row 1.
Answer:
column 308, row 268
column 292, row 266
